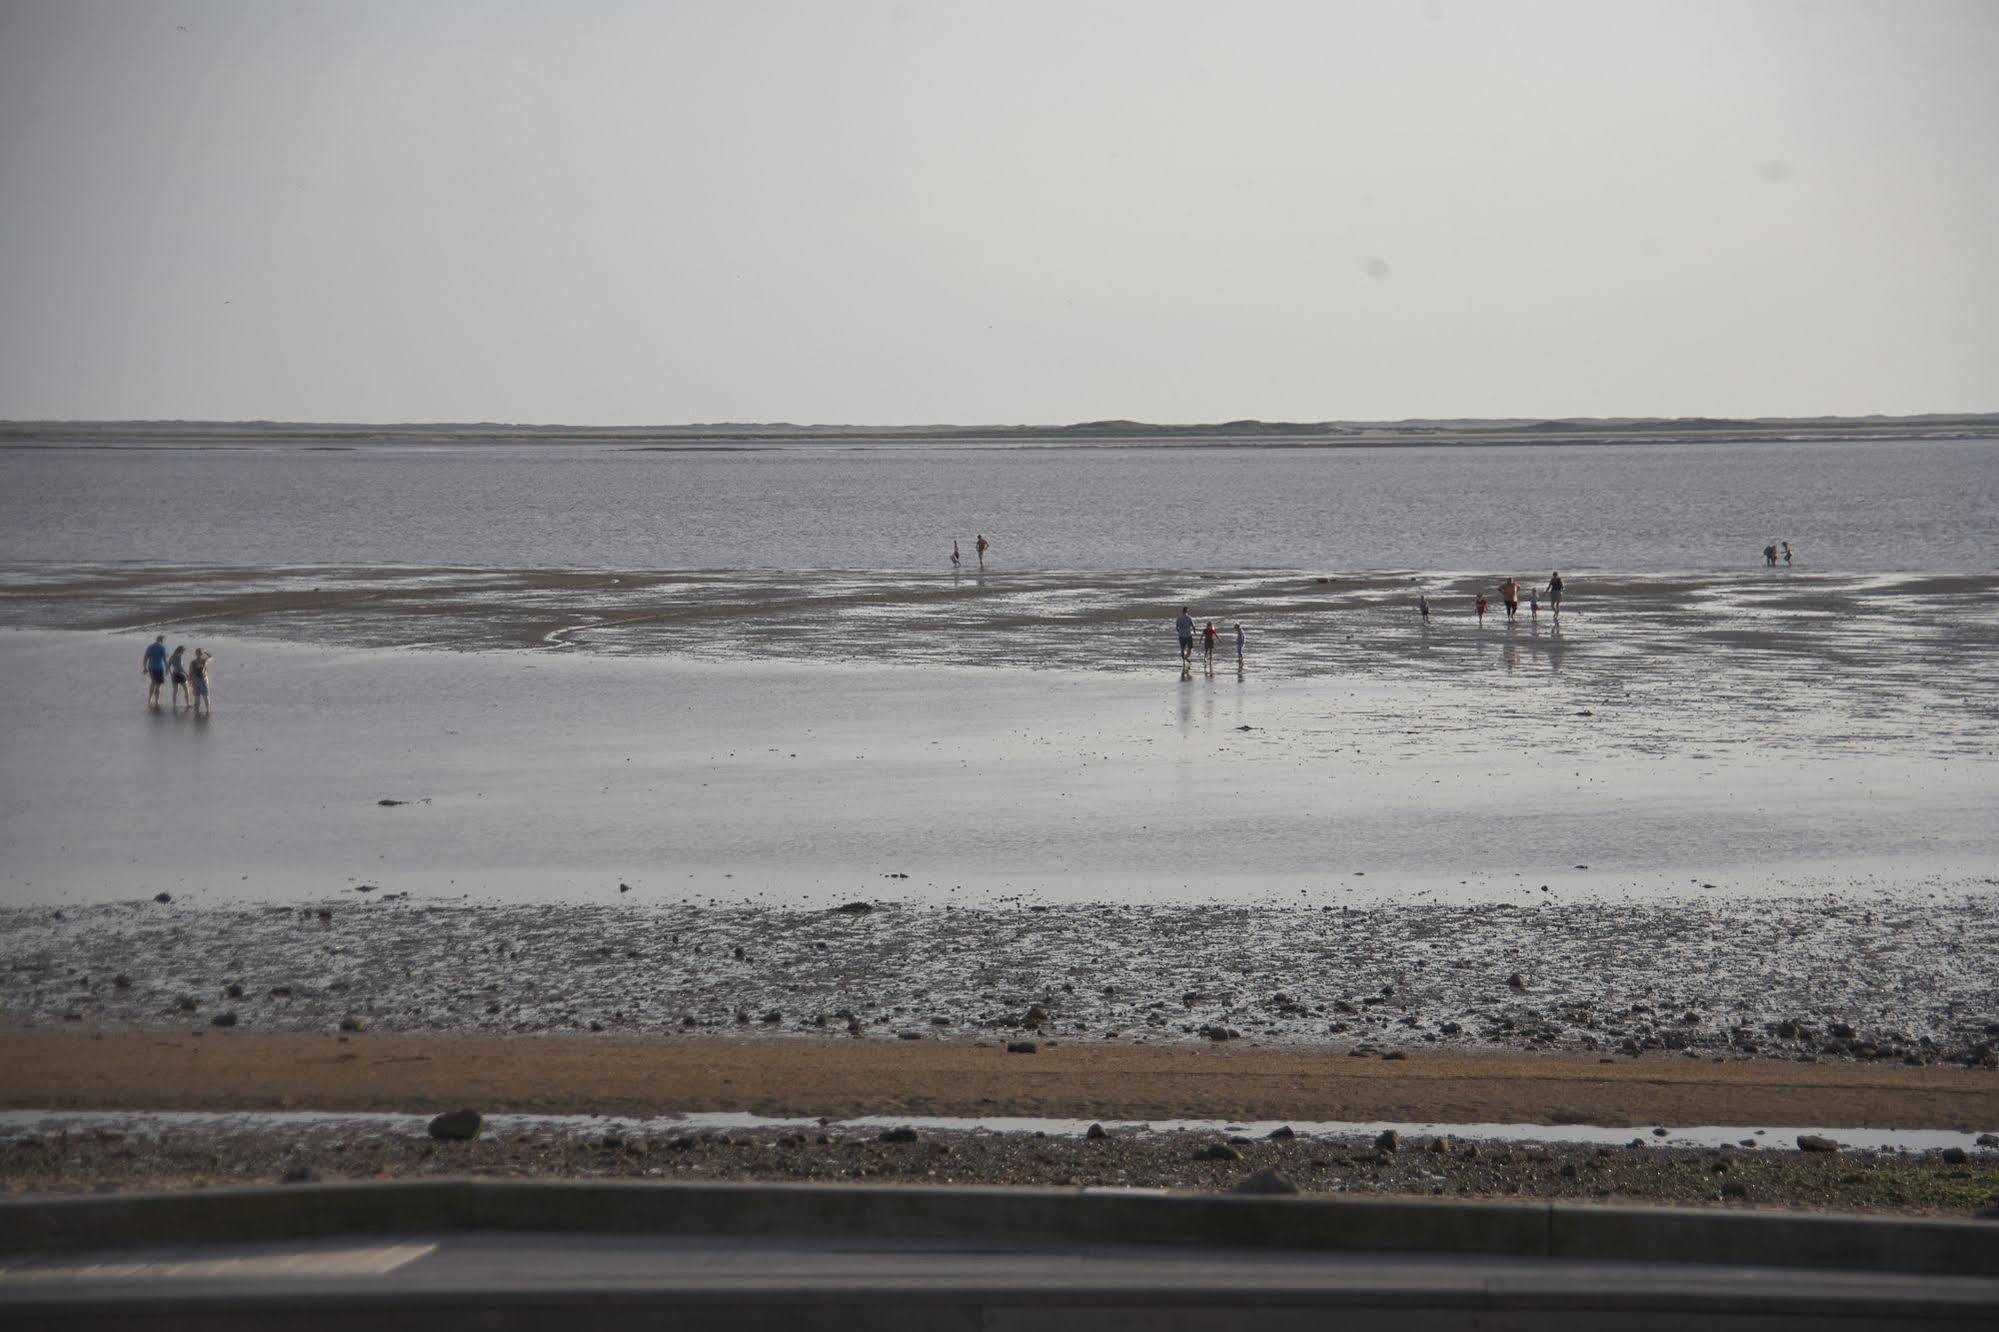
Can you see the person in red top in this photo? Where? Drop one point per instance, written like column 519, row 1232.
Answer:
column 1208, row 644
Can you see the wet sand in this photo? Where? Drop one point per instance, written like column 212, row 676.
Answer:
column 1782, row 634
column 554, row 775
column 199, row 1068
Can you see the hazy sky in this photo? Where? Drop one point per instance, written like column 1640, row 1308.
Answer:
column 932, row 210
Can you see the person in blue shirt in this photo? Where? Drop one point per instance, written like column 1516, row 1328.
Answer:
column 156, row 669
column 1184, row 626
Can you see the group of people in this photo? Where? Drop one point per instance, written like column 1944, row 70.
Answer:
column 1770, row 554
column 1184, row 626
column 188, row 674
column 1509, row 596
column 981, row 545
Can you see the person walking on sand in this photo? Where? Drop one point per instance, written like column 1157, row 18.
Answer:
column 1770, row 556
column 154, row 668
column 177, row 672
column 1423, row 605
column 1208, row 644
column 1239, row 642
column 1509, row 593
column 1534, row 601
column 1787, row 554
column 1478, row 607
column 1555, row 593
column 956, row 558
column 197, row 675
column 1184, row 626
column 982, row 546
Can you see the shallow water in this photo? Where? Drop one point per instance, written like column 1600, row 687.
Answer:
column 1846, row 505
column 538, row 776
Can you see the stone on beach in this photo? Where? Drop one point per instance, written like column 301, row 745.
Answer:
column 456, row 1125
column 1269, row 1181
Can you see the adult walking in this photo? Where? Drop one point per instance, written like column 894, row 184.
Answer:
column 1555, row 593
column 982, row 546
column 1184, row 626
column 1509, row 592
column 197, row 678
column 154, row 667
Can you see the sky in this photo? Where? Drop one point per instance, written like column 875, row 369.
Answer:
column 914, row 211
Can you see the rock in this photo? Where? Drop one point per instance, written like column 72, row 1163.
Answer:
column 1216, row 1032
column 325, row 913
column 366, row 887
column 1841, row 1031
column 281, row 992
column 1517, row 981
column 1021, row 1047
column 772, row 1018
column 121, row 981
column 903, row 1134
column 232, row 990
column 187, row 1003
column 1269, row 1181
column 457, row 1125
column 352, row 1023
column 1734, row 1188
column 386, row 803
column 1097, row 1133
column 624, row 887
column 1988, row 1140
column 163, row 898
column 299, row 1174
column 1440, row 1146
column 1451, row 1028
column 1388, row 1141
column 1812, row 1142
column 1218, row 1151
column 222, row 1020
column 1396, row 1054
column 852, row 909
column 1282, row 1133
column 1034, row 1016
column 1954, row 1156
column 1658, row 1132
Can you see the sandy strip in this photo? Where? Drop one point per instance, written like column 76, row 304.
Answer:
column 223, row 1070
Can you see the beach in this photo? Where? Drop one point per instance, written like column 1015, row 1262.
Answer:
column 1712, row 853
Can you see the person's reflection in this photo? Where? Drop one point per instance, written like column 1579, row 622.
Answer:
column 1511, row 654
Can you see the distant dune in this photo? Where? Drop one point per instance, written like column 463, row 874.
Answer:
column 1465, row 431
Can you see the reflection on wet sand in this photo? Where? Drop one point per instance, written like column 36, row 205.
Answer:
column 1894, row 655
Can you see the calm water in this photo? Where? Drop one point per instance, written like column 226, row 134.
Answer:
column 1880, row 505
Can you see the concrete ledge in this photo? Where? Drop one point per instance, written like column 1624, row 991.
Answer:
column 1022, row 1217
